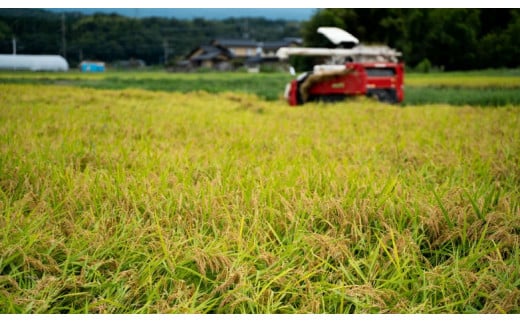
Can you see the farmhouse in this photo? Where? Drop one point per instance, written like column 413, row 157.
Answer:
column 240, row 48
column 209, row 56
column 52, row 63
column 225, row 54
column 267, row 57
column 269, row 48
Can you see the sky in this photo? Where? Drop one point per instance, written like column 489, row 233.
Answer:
column 207, row 13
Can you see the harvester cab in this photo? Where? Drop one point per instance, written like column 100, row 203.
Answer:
column 352, row 70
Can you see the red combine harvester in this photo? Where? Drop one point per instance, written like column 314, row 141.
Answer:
column 373, row 71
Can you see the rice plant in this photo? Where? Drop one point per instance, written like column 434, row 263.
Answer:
column 132, row 201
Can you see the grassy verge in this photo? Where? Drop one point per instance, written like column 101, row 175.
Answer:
column 485, row 88
column 143, row 202
column 509, row 79
column 486, row 97
column 267, row 86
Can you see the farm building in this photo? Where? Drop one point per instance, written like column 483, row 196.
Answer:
column 269, row 48
column 240, row 48
column 224, row 54
column 89, row 66
column 211, row 57
column 51, row 63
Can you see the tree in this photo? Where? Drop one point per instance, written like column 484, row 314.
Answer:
column 5, row 31
column 326, row 17
column 452, row 38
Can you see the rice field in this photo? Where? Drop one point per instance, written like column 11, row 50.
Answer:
column 482, row 88
column 137, row 201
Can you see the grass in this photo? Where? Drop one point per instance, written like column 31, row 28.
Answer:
column 487, row 97
column 482, row 88
column 133, row 201
column 476, row 88
column 501, row 79
column 268, row 86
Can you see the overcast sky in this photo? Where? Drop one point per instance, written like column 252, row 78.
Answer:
column 220, row 13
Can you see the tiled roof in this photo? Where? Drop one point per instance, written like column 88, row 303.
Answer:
column 235, row 42
column 209, row 52
column 296, row 40
column 275, row 44
column 206, row 56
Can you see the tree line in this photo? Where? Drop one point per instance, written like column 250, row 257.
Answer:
column 451, row 39
column 112, row 37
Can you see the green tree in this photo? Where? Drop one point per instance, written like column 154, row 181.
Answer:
column 5, row 31
column 311, row 38
column 322, row 18
column 452, row 40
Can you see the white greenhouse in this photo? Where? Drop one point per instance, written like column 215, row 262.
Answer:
column 33, row 62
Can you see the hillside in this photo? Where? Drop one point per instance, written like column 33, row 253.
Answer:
column 111, row 37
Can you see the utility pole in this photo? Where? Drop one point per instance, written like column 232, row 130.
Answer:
column 14, row 45
column 63, row 39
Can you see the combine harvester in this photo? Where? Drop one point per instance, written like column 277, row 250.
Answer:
column 374, row 71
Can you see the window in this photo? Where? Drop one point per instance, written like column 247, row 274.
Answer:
column 380, row 72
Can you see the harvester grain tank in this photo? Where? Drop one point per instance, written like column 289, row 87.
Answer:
column 354, row 70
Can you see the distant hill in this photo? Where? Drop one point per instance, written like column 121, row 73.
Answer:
column 112, row 37
column 298, row 14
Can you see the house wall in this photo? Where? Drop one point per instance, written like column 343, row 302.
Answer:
column 243, row 51
column 269, row 53
column 208, row 64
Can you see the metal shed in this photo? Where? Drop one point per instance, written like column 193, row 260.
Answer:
column 33, row 62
